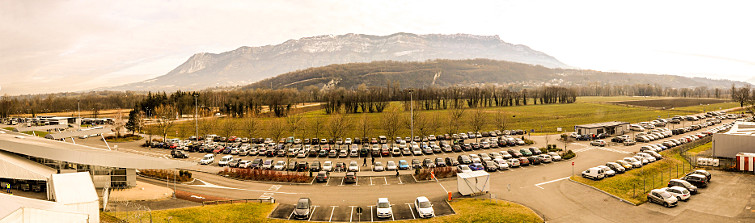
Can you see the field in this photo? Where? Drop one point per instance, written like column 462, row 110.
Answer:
column 633, row 185
column 541, row 118
column 672, row 103
column 468, row 210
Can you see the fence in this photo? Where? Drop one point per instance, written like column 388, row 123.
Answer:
column 723, row 163
column 271, row 200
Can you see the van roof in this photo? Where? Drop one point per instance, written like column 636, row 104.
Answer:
column 227, row 156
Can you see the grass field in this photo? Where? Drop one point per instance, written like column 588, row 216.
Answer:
column 8, row 128
column 468, row 210
column 674, row 102
column 633, row 185
column 38, row 133
column 541, row 118
column 701, row 148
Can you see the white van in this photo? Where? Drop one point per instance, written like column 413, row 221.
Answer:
column 207, row 159
column 594, row 173
column 635, row 127
column 225, row 160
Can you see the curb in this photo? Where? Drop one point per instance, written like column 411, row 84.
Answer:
column 614, row 196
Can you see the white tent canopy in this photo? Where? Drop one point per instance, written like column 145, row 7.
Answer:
column 473, row 183
column 15, row 167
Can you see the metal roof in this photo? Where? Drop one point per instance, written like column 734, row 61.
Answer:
column 742, row 128
column 81, row 154
column 16, row 167
column 62, row 135
column 602, row 124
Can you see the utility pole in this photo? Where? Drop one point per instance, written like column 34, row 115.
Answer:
column 411, row 108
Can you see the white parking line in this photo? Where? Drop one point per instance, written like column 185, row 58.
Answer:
column 356, row 180
column 341, row 182
column 292, row 214
column 399, row 180
column 371, row 181
column 352, row 213
column 371, row 218
column 312, row 213
column 410, row 210
column 547, row 182
column 331, row 213
column 386, row 181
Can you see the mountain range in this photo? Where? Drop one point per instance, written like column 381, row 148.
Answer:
column 470, row 72
column 247, row 65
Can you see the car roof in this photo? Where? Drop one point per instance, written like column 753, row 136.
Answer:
column 383, row 200
column 422, row 199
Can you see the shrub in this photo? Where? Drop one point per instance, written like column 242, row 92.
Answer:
column 440, row 172
column 183, row 175
column 527, row 141
column 265, row 175
column 568, row 155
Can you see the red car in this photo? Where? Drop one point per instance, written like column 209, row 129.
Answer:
column 385, row 152
column 217, row 150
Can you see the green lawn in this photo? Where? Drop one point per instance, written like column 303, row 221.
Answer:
column 468, row 210
column 541, row 118
column 8, row 128
column 701, row 148
column 629, row 185
column 38, row 133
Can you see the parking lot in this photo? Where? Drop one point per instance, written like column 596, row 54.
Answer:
column 346, row 213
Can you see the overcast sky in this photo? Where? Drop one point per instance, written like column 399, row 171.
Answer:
column 57, row 46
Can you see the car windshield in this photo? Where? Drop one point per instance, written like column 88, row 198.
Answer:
column 383, row 205
column 424, row 204
column 302, row 205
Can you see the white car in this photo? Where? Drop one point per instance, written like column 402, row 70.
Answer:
column 463, row 169
column 384, row 209
column 546, row 158
column 609, row 172
column 391, row 166
column 327, row 166
column 554, row 156
column 680, row 193
column 502, row 164
column 416, row 151
column 280, row 165
column 378, row 167
column 424, row 207
column 635, row 163
column 245, row 163
column 225, row 160
column 268, row 164
column 353, row 166
column 207, row 159
column 649, row 157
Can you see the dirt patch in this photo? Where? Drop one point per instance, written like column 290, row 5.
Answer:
column 672, row 103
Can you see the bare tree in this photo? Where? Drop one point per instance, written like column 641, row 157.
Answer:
column 165, row 117
column 317, row 125
column 500, row 120
column 421, row 123
column 206, row 126
column 118, row 124
column 337, row 125
column 391, row 121
column 250, row 125
column 365, row 126
column 433, row 123
column 227, row 126
column 277, row 128
column 292, row 123
column 454, row 120
column 478, row 121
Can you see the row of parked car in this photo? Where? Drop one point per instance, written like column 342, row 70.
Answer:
column 680, row 189
column 384, row 208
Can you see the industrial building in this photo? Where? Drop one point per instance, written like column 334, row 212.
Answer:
column 609, row 128
column 739, row 139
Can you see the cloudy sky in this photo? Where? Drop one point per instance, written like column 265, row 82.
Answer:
column 58, row 46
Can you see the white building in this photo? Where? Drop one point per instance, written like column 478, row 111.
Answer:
column 740, row 138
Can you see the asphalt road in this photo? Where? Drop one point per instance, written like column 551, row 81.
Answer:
column 543, row 188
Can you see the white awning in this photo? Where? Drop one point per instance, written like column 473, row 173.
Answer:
column 62, row 135
column 16, row 167
column 73, row 188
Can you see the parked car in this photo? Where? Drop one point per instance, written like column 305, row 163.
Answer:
column 327, row 166
column 383, row 208
column 315, row 166
column 424, row 207
column 554, row 156
column 280, row 165
column 662, row 197
column 178, row 154
column 682, row 183
column 225, row 160
column 403, row 165
column 351, row 177
column 378, row 167
column 698, row 180
column 600, row 143
column 207, row 159
column 594, row 173
column 302, row 209
column 322, row 176
column 609, row 172
column 463, row 169
column 615, row 167
column 702, row 172
column 353, row 166
column 680, row 193
column 391, row 166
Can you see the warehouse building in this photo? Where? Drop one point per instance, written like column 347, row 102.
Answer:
column 740, row 138
column 609, row 128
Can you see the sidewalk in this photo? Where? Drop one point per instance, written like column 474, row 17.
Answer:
column 141, row 192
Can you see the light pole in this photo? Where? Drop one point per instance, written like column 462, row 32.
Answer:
column 196, row 118
column 411, row 109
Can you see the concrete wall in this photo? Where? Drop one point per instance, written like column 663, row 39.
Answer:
column 728, row 146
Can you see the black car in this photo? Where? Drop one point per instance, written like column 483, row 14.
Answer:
column 416, row 164
column 322, row 176
column 234, row 163
column 535, row 151
column 535, row 160
column 440, row 162
column 451, row 161
column 464, row 159
column 351, row 177
column 702, row 172
column 698, row 180
column 315, row 166
column 427, row 162
column 456, row 148
column 302, row 209
column 514, row 153
column 490, row 166
column 178, row 154
column 682, row 183
column 302, row 166
column 466, row 147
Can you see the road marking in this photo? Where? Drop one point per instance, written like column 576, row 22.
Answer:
column 371, row 181
column 311, row 213
column 352, row 213
column 386, row 181
column 341, row 182
column 547, row 182
column 399, row 180
column 356, row 180
column 292, row 214
column 410, row 210
column 331, row 213
column 371, row 218
column 224, row 187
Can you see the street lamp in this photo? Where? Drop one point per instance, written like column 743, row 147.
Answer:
column 411, row 109
column 196, row 118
